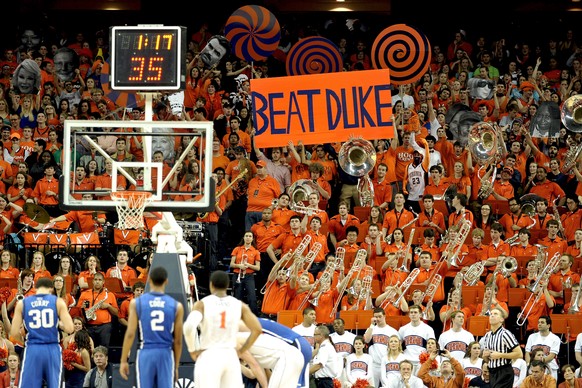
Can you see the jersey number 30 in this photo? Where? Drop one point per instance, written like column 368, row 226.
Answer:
column 41, row 318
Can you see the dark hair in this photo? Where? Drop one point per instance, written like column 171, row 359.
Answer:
column 137, row 285
column 44, row 282
column 352, row 228
column 220, row 280
column 158, row 275
column 496, row 226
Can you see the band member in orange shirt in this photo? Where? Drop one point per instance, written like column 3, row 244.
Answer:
column 430, row 217
column 497, row 247
column 286, row 242
column 398, row 217
column 265, row 232
column 246, row 261
column 572, row 219
column 276, row 292
column 564, row 278
column 339, row 224
column 504, row 280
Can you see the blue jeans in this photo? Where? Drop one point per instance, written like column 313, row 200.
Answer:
column 252, row 218
column 247, row 283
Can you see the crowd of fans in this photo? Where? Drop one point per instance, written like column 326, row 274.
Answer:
column 439, row 205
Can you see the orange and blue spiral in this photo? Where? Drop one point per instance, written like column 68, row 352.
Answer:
column 313, row 55
column 254, row 33
column 404, row 50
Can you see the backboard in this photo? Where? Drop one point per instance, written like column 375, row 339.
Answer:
column 160, row 150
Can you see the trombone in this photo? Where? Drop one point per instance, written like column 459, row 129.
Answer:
column 366, row 290
column 326, row 276
column 574, row 308
column 537, row 289
column 406, row 284
column 287, row 257
column 358, row 264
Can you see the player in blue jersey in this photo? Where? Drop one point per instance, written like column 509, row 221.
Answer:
column 160, row 318
column 284, row 333
column 42, row 315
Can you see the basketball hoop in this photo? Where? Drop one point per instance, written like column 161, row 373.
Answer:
column 130, row 206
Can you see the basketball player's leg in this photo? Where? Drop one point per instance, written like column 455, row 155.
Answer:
column 288, row 369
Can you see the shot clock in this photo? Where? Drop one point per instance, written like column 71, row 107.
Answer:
column 148, row 58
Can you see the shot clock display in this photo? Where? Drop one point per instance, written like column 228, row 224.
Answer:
column 148, row 58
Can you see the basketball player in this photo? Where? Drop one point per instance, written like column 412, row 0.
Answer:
column 217, row 361
column 160, row 319
column 43, row 315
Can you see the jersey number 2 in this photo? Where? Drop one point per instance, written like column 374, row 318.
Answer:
column 157, row 320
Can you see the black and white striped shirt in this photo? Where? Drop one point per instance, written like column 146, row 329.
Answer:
column 502, row 341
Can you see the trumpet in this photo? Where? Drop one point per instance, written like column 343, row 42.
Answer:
column 406, row 284
column 242, row 271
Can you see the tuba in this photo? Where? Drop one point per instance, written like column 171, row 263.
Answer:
column 483, row 143
column 299, row 192
column 571, row 113
column 357, row 157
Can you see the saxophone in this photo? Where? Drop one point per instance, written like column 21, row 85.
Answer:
column 91, row 314
column 561, row 230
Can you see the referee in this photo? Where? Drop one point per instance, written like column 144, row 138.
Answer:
column 500, row 347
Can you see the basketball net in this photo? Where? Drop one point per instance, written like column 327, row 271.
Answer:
column 130, row 206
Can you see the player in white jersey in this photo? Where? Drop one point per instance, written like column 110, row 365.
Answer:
column 415, row 335
column 377, row 336
column 456, row 340
column 218, row 315
column 547, row 341
column 285, row 361
column 415, row 177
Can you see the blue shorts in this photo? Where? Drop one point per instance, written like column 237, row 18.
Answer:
column 155, row 368
column 41, row 362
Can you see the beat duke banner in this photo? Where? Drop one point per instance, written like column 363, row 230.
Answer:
column 322, row 108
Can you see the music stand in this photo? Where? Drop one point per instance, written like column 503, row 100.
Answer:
column 114, row 285
column 498, row 207
column 442, row 207
column 419, row 235
column 9, row 282
column 537, row 234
